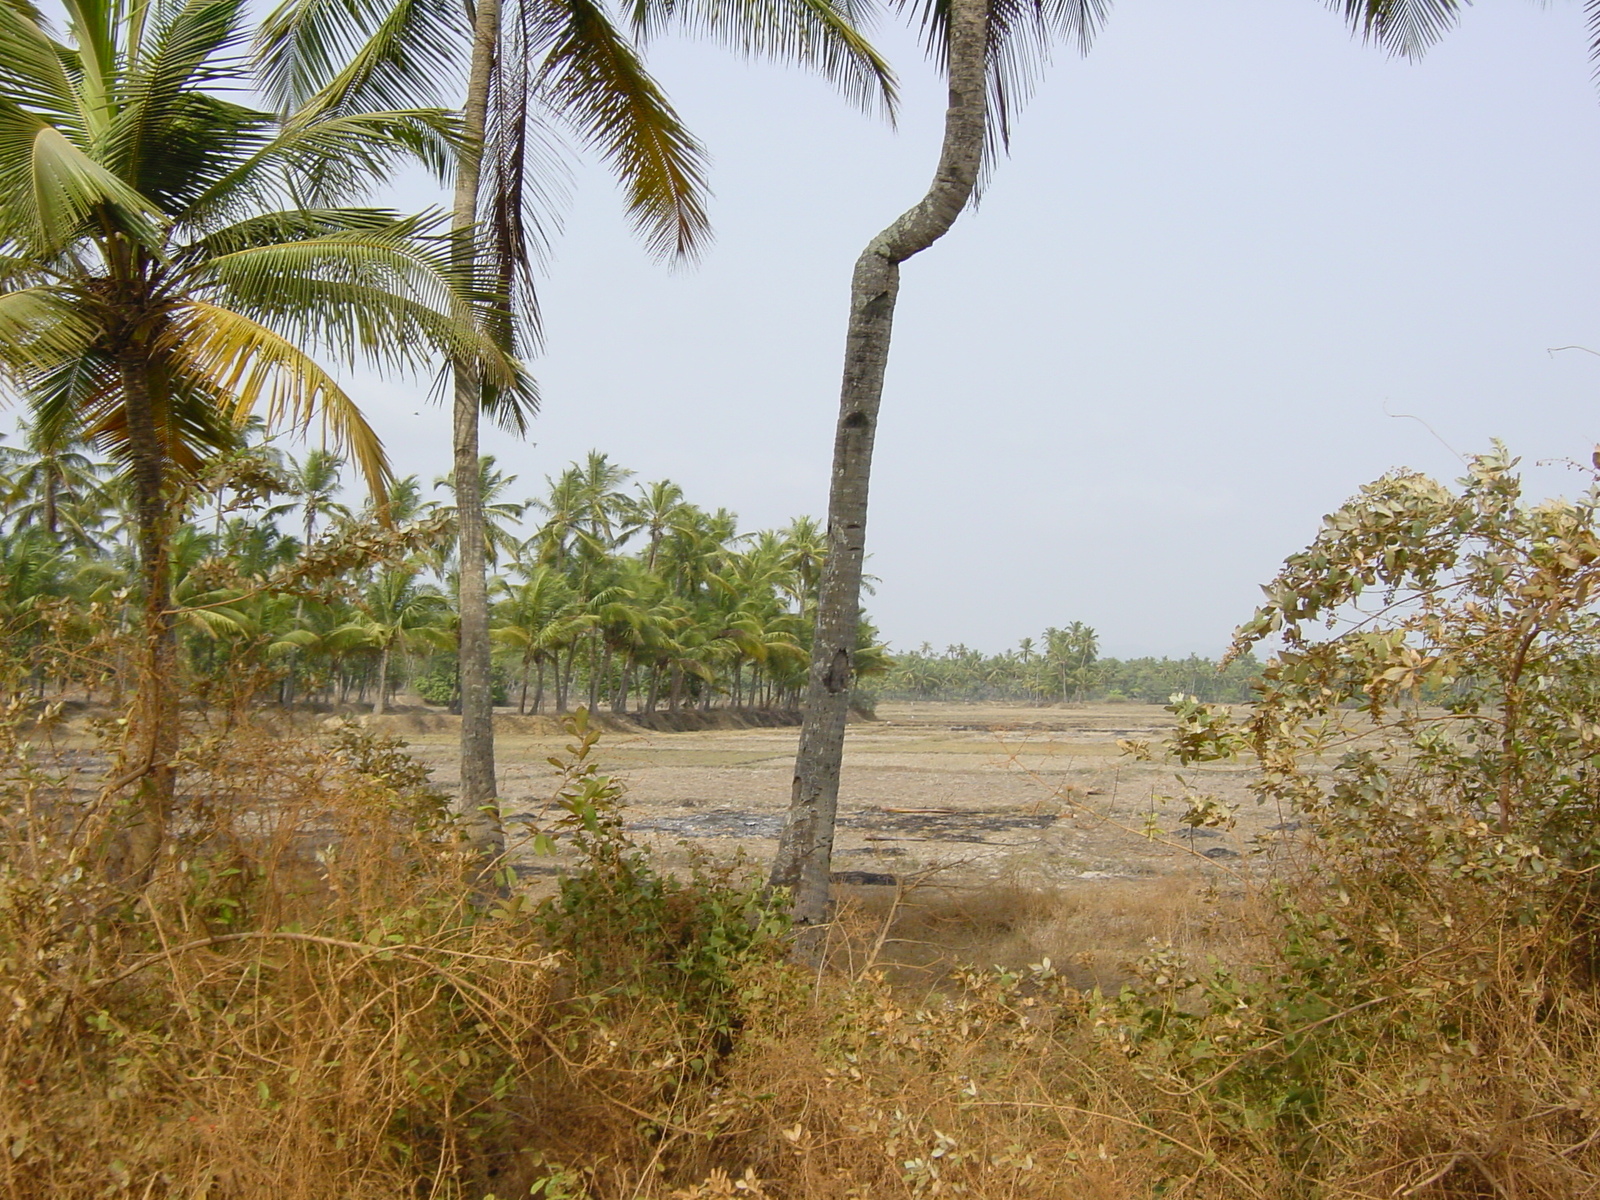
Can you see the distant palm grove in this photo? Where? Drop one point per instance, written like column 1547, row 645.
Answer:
column 623, row 597
column 1063, row 666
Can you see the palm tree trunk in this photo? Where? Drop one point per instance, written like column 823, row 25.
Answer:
column 594, row 673
column 522, row 701
column 152, row 738
column 380, row 696
column 478, row 799
column 805, row 850
column 538, row 692
column 564, row 678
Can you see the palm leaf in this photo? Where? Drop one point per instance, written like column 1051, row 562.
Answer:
column 381, row 294
column 162, row 114
column 256, row 367
column 1021, row 33
column 1404, row 27
column 40, row 326
column 33, row 71
column 318, row 162
column 49, row 189
column 265, row 229
column 354, row 55
column 63, row 393
column 595, row 81
column 823, row 35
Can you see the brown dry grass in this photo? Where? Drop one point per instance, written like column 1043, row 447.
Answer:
column 311, row 1004
column 1090, row 931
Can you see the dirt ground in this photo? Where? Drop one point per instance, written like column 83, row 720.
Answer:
column 974, row 795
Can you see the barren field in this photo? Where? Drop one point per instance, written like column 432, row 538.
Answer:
column 973, row 795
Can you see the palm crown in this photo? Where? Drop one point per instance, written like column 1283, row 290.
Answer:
column 172, row 258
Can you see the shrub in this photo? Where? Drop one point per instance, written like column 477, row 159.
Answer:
column 1427, row 1023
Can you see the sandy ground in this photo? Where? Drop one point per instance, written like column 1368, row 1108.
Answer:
column 977, row 794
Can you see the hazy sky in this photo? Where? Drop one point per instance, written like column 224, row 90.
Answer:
column 1225, row 246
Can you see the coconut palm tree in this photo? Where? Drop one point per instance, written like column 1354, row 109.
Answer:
column 1069, row 656
column 173, row 258
column 498, row 512
column 398, row 612
column 315, row 483
column 538, row 618
column 806, row 546
column 656, row 511
column 991, row 50
column 53, row 484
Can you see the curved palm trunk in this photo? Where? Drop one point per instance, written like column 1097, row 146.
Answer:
column 805, row 850
column 151, row 744
column 478, row 798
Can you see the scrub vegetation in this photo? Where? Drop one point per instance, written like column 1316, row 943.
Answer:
column 315, row 994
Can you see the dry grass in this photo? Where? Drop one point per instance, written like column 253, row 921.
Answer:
column 1090, row 931
column 310, row 1003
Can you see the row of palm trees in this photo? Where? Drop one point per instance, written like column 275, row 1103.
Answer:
column 1063, row 666
column 604, row 593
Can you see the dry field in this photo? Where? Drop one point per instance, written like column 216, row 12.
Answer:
column 997, row 833
column 983, row 794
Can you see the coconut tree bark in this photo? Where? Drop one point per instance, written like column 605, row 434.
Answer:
column 380, row 700
column 478, row 793
column 151, row 743
column 805, row 849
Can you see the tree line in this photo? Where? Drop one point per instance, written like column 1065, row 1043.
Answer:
column 605, row 593
column 1062, row 666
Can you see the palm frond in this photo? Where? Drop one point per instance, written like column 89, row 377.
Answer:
column 594, row 79
column 355, row 55
column 41, row 326
column 1021, row 34
column 49, row 189
column 170, row 138
column 33, row 70
column 257, row 368
column 95, row 26
column 386, row 295
column 1403, row 27
column 823, row 35
column 266, row 229
column 61, row 394
column 525, row 185
column 1591, row 12
column 318, row 162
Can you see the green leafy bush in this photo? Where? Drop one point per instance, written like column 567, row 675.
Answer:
column 441, row 684
column 636, row 930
